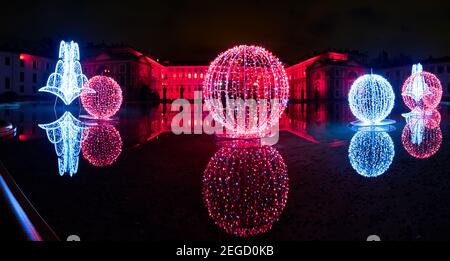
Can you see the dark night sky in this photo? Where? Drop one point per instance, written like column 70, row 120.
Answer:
column 199, row 30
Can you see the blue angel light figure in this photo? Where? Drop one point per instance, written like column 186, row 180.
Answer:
column 68, row 80
column 66, row 133
column 418, row 88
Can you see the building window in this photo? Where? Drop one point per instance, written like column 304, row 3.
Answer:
column 47, row 66
column 22, row 63
column 122, row 68
column 34, row 64
column 22, row 88
column 34, row 77
column 440, row 69
column 337, row 72
column 7, row 61
column 34, row 89
column 7, row 83
column 22, row 76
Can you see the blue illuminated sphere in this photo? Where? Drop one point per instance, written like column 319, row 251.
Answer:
column 371, row 153
column 371, row 99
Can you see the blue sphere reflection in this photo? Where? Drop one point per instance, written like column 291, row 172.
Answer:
column 371, row 153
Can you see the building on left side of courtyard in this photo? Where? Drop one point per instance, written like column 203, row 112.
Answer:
column 22, row 74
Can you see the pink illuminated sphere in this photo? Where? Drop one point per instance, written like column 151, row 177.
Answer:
column 251, row 75
column 430, row 99
column 105, row 99
column 101, row 145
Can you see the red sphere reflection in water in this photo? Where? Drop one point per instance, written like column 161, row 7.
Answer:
column 245, row 189
column 101, row 145
column 422, row 135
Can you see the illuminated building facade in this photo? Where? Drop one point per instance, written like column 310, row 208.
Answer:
column 322, row 77
column 327, row 76
column 138, row 75
column 23, row 73
column 181, row 81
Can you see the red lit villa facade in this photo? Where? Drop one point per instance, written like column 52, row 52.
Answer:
column 326, row 76
column 322, row 77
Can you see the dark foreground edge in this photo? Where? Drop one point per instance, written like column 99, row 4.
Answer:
column 22, row 220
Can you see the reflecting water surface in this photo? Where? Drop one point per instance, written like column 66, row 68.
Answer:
column 135, row 179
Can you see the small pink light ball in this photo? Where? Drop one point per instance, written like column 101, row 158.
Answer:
column 101, row 97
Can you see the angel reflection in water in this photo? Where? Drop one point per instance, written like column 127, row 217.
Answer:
column 422, row 135
column 66, row 133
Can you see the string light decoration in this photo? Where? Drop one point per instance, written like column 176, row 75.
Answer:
column 106, row 99
column 422, row 91
column 245, row 189
column 68, row 79
column 371, row 100
column 101, row 145
column 246, row 91
column 371, row 153
column 65, row 133
column 422, row 135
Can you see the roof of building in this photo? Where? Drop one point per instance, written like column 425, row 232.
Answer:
column 114, row 51
column 46, row 48
column 323, row 63
column 185, row 63
column 402, row 61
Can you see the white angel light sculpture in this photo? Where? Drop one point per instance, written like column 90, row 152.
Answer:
column 418, row 88
column 68, row 79
column 66, row 134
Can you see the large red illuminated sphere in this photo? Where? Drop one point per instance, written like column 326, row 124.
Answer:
column 242, row 78
column 101, row 145
column 422, row 136
column 422, row 91
column 245, row 189
column 101, row 97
